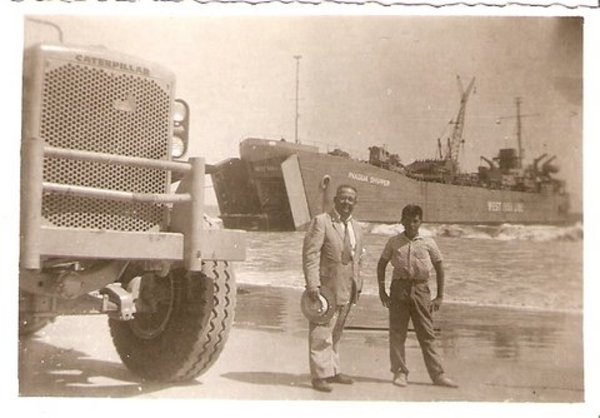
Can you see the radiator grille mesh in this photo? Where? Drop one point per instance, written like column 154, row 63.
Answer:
column 92, row 109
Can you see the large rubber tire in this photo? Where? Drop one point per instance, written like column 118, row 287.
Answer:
column 190, row 334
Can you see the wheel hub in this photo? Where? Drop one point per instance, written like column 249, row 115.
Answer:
column 156, row 301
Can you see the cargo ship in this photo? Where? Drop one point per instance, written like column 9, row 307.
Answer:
column 276, row 185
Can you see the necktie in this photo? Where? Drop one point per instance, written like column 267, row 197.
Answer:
column 347, row 249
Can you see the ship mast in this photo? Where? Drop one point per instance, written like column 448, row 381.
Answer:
column 518, row 117
column 455, row 141
column 297, row 58
column 519, row 142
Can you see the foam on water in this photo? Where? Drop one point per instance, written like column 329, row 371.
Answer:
column 529, row 267
column 504, row 232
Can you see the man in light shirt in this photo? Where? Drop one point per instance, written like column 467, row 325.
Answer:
column 413, row 258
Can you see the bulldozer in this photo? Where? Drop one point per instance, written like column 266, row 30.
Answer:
column 112, row 217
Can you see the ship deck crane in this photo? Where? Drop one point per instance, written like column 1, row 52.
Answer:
column 456, row 139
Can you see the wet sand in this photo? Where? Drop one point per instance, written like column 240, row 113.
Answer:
column 495, row 354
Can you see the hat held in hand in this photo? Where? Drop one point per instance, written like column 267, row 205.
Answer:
column 318, row 311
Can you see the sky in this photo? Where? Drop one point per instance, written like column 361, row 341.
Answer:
column 363, row 80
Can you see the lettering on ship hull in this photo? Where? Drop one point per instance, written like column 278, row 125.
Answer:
column 368, row 179
column 497, row 206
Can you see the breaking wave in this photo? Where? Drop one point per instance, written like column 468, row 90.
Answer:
column 504, row 232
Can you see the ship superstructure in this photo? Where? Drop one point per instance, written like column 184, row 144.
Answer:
column 279, row 185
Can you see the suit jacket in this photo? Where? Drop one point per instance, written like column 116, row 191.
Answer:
column 322, row 258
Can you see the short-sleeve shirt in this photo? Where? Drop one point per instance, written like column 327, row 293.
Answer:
column 411, row 259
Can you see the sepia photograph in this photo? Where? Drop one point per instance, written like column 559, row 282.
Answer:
column 301, row 208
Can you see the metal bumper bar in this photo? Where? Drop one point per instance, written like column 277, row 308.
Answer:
column 83, row 191
column 189, row 241
column 218, row 244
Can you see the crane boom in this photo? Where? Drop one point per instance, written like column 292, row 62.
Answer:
column 456, row 139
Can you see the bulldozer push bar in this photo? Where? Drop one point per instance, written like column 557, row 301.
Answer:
column 187, row 241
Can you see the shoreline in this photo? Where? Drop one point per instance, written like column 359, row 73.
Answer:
column 573, row 311
column 495, row 355
column 539, row 355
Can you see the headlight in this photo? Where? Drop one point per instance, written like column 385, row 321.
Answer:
column 177, row 147
column 181, row 124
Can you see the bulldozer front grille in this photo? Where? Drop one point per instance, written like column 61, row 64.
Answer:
column 95, row 109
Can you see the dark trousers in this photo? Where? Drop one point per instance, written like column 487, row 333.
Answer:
column 323, row 344
column 411, row 300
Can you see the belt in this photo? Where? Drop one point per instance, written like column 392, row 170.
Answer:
column 407, row 287
column 411, row 281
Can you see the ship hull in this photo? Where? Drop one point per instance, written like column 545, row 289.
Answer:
column 252, row 196
column 285, row 192
column 382, row 194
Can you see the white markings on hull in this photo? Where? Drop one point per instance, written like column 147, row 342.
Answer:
column 498, row 206
column 368, row 179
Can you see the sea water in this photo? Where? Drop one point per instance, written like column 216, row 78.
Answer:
column 526, row 266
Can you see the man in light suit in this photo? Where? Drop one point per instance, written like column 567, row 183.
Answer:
column 331, row 259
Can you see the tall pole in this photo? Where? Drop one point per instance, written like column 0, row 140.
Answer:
column 297, row 58
column 518, row 103
column 519, row 116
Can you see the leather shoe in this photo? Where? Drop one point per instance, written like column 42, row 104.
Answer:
column 444, row 381
column 341, row 378
column 321, row 385
column 399, row 379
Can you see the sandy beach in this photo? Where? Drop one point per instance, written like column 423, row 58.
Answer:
column 495, row 354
